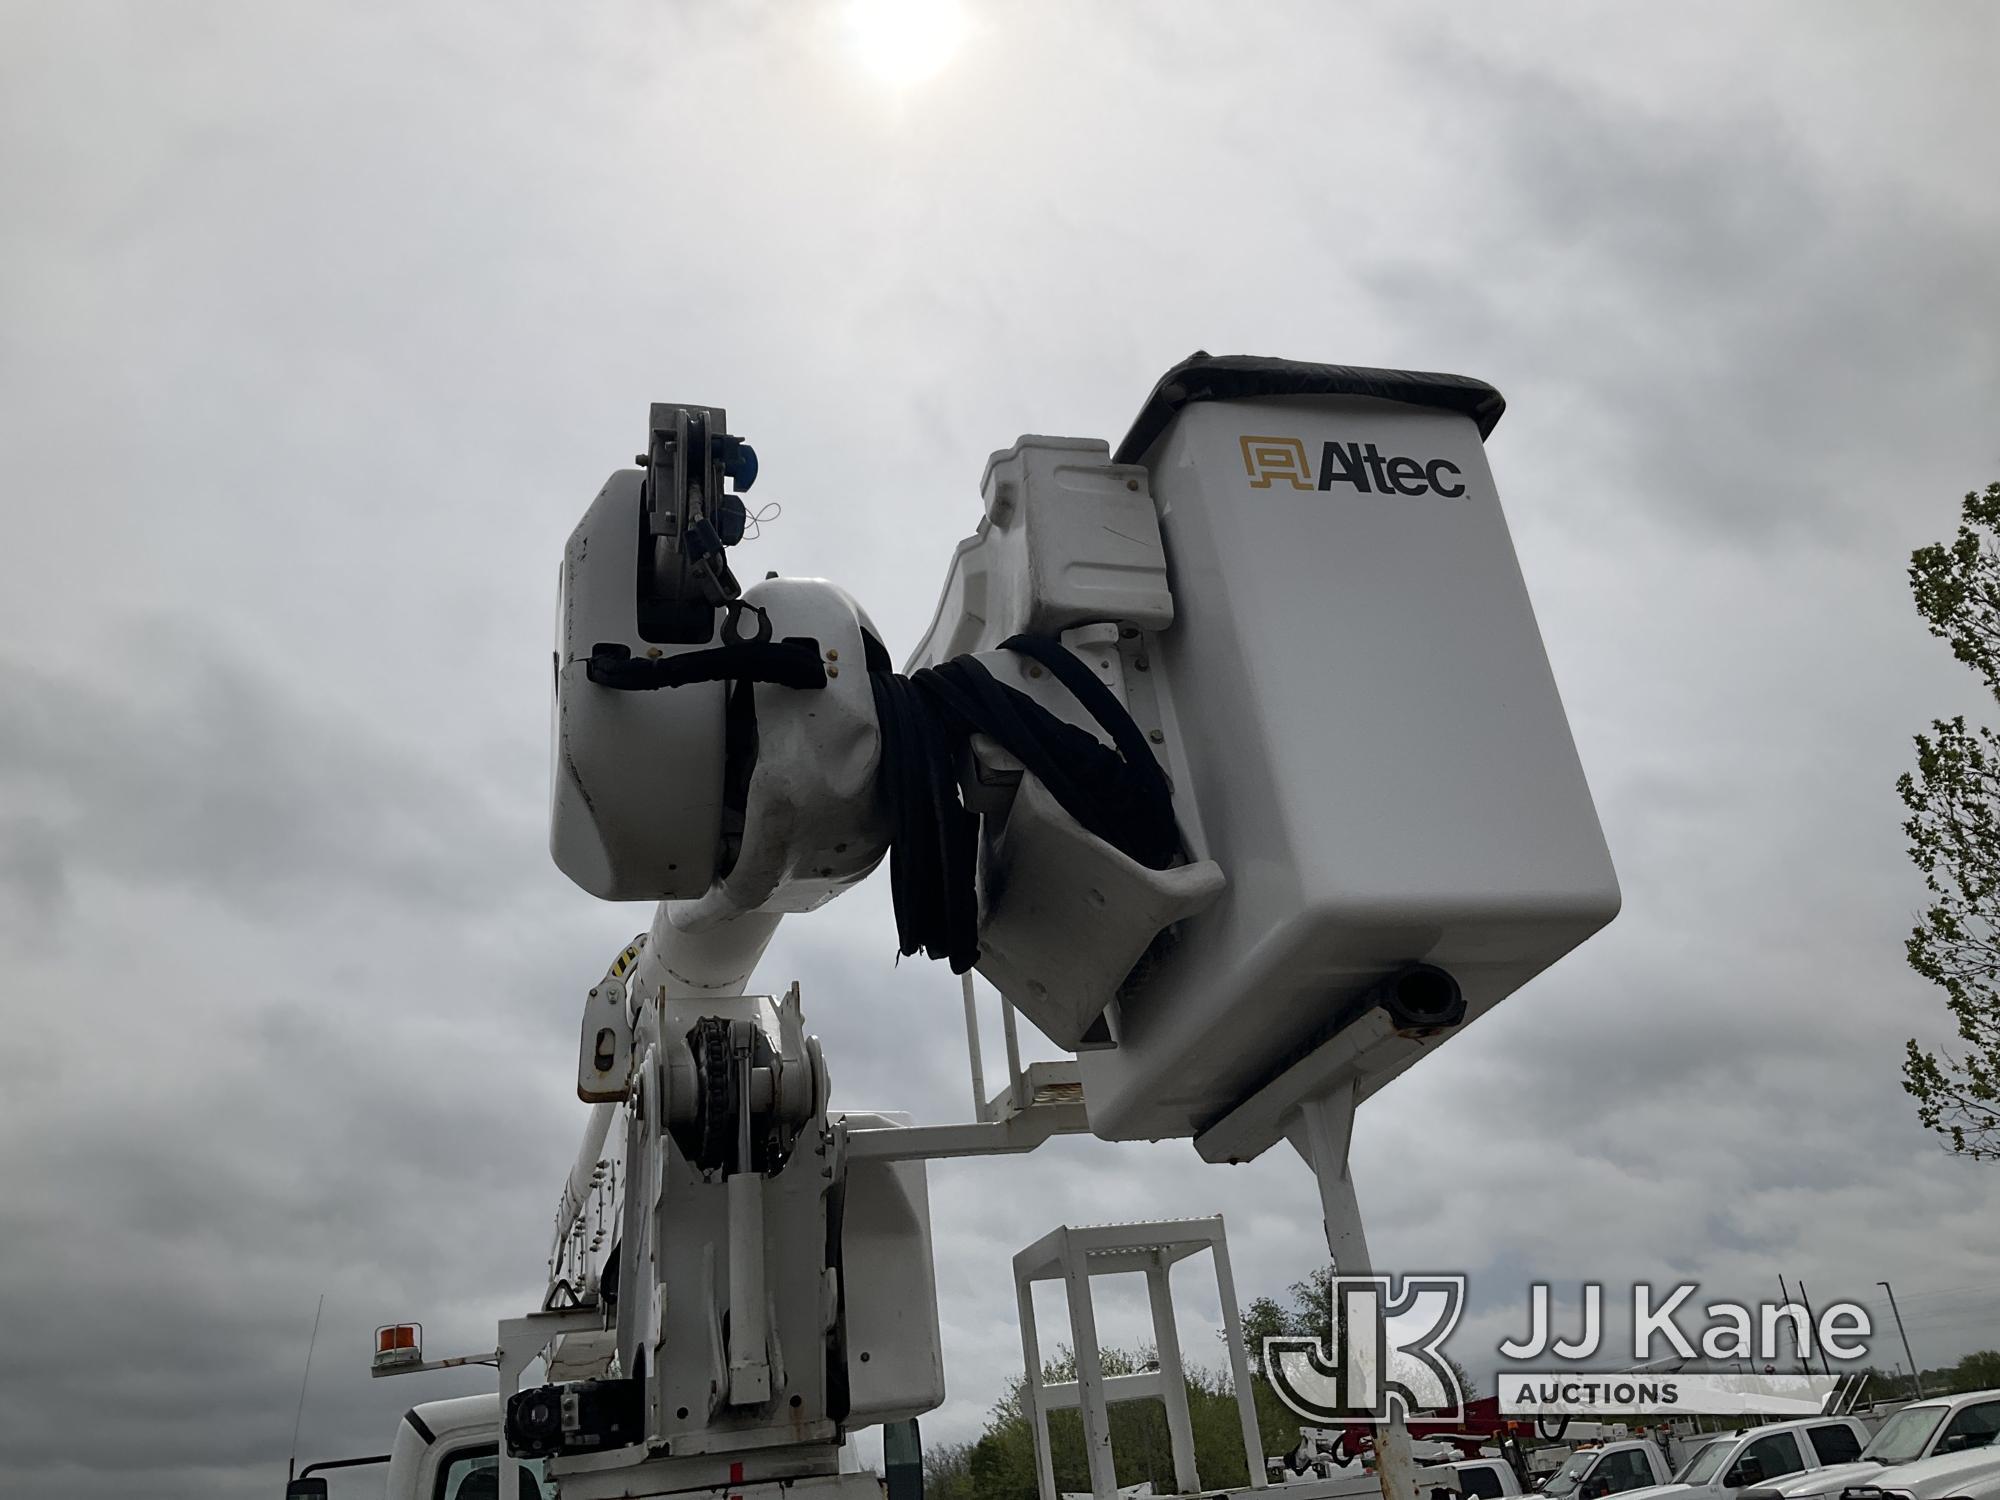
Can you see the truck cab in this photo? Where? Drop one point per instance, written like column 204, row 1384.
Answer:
column 1720, row 1466
column 1614, row 1468
column 1471, row 1478
column 445, row 1450
column 1455, row 1479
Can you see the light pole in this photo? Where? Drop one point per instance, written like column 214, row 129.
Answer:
column 1916, row 1376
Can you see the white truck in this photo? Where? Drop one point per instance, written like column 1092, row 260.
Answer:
column 1463, row 1478
column 1943, row 1424
column 446, row 1450
column 1969, row 1474
column 1443, row 1470
column 1614, row 1468
column 1471, row 1478
column 1720, row 1466
column 1232, row 759
column 442, row 1450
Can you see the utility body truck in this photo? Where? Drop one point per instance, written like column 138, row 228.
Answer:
column 1444, row 1466
column 1464, row 1478
column 1474, row 1478
column 1231, row 758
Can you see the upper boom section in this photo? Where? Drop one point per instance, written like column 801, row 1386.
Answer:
column 1232, row 754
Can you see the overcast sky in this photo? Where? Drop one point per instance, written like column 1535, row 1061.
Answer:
column 320, row 325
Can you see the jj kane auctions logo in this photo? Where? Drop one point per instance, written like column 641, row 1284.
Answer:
column 1386, row 1354
column 1283, row 460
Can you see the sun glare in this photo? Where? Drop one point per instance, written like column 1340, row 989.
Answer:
column 905, row 42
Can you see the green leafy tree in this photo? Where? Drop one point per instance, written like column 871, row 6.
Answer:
column 948, row 1472
column 1467, row 1385
column 1978, row 1372
column 1001, row 1464
column 1953, row 799
column 1310, row 1314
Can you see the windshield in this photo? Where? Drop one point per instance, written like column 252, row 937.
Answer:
column 1565, row 1480
column 472, row 1474
column 1903, row 1436
column 1707, row 1459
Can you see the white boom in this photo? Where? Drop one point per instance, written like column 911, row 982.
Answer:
column 1232, row 759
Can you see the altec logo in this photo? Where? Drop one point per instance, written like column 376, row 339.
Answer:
column 1271, row 460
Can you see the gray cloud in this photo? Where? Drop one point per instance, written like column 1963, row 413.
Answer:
column 180, row 764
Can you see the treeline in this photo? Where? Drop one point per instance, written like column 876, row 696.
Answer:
column 1976, row 1372
column 1000, row 1465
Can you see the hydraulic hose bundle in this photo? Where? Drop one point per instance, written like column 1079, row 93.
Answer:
column 1120, row 794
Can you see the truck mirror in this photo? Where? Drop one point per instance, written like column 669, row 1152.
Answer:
column 313, row 1488
column 1746, row 1471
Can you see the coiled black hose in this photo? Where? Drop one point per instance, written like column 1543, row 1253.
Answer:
column 1120, row 794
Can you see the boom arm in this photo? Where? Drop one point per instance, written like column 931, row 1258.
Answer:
column 672, row 962
column 1250, row 834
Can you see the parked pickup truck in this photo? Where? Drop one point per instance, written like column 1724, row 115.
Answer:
column 1719, row 1467
column 1608, row 1469
column 1473, row 1478
column 1944, row 1424
column 1969, row 1474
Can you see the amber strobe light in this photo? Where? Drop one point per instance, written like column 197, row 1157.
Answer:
column 399, row 1343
